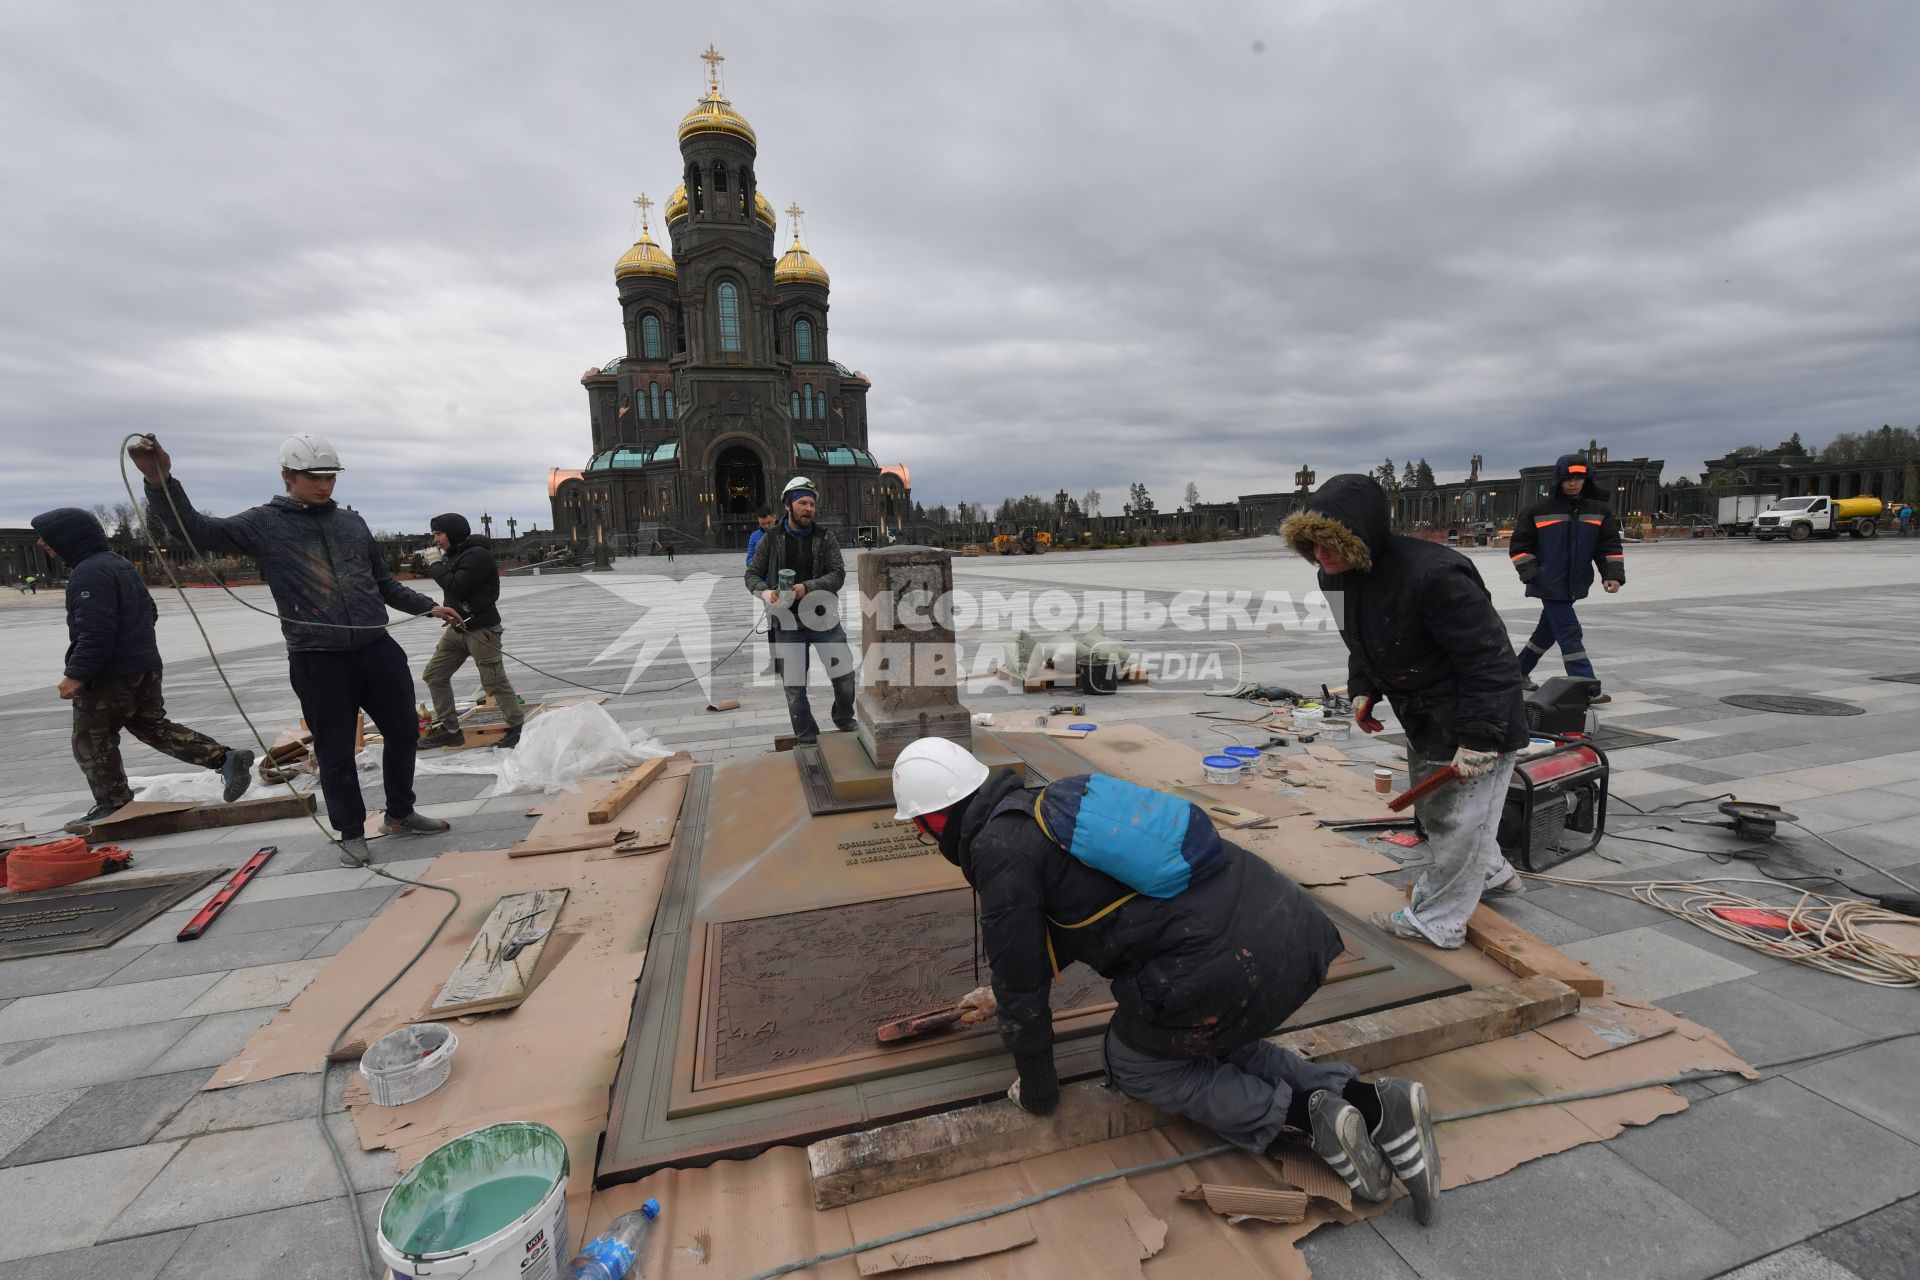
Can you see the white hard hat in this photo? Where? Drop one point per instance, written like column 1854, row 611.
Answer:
column 798, row 482
column 933, row 773
column 306, row 452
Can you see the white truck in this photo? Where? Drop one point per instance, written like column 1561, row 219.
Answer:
column 1739, row 511
column 1819, row 515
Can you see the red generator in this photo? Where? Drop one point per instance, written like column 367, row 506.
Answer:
column 1556, row 805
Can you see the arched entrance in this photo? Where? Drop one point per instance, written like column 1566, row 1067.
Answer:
column 739, row 490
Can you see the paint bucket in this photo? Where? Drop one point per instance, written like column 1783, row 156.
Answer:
column 1222, row 770
column 1245, row 755
column 1336, row 730
column 490, row 1205
column 1307, row 716
column 406, row 1065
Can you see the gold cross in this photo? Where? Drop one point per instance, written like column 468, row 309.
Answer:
column 713, row 59
column 644, row 204
column 794, row 211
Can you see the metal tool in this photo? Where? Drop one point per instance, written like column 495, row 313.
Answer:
column 920, row 1025
column 218, row 903
column 1747, row 819
column 1425, row 787
column 1068, row 709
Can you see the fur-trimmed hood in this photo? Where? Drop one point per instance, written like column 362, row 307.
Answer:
column 1349, row 514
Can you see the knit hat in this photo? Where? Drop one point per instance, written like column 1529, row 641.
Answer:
column 454, row 525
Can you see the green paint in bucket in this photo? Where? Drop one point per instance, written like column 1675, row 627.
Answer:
column 489, row 1205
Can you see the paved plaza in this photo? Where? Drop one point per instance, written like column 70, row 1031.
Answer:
column 114, row 1163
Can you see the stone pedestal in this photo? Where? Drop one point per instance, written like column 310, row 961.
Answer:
column 909, row 665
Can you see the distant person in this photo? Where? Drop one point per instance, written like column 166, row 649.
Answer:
column 113, row 666
column 809, row 618
column 1557, row 544
column 1906, row 519
column 767, row 520
column 31, row 586
column 668, row 544
column 331, row 587
column 462, row 563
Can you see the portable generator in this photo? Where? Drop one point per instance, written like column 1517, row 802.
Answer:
column 1556, row 805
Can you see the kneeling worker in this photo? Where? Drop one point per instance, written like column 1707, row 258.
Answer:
column 1200, row 973
column 470, row 582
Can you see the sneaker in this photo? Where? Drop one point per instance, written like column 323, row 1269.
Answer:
column 237, row 770
column 452, row 736
column 510, row 739
column 1339, row 1137
column 1527, row 683
column 353, row 851
column 1499, row 885
column 99, row 813
column 414, row 824
column 1405, row 1137
column 1599, row 698
column 849, row 727
column 1400, row 925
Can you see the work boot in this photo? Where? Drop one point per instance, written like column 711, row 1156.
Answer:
column 1405, row 1137
column 510, row 740
column 1599, row 698
column 353, row 851
column 1527, row 683
column 1339, row 1136
column 99, row 813
column 443, row 736
column 237, row 772
column 414, row 824
column 846, row 727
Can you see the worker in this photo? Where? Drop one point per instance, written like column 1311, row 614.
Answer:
column 1906, row 519
column 1421, row 630
column 1199, row 975
column 331, row 588
column 1557, row 544
column 113, row 667
column 810, row 618
column 766, row 520
column 470, row 583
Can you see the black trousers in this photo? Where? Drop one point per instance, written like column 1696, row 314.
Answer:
column 333, row 686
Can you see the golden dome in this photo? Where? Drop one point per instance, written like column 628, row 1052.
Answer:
column 677, row 204
column 714, row 114
column 762, row 209
column 797, row 266
column 646, row 259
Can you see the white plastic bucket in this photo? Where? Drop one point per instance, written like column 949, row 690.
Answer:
column 1221, row 770
column 1307, row 717
column 457, row 1212
column 406, row 1065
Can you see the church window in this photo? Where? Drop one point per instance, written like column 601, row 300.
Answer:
column 729, row 300
column 719, row 177
column 803, row 341
column 656, row 401
column 806, row 399
column 670, row 412
column 796, row 406
column 650, row 337
column 696, row 196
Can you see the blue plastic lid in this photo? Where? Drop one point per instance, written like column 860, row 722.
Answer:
column 1088, row 727
column 1222, row 762
column 1244, row 753
column 651, row 1209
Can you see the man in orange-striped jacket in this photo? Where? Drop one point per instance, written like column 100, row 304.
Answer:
column 1558, row 542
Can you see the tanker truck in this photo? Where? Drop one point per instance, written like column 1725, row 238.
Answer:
column 1819, row 515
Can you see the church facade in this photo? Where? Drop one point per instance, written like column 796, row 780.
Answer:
column 727, row 384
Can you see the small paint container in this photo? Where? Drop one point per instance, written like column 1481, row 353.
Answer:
column 1336, row 730
column 1222, row 770
column 1383, row 781
column 1308, row 716
column 1245, row 755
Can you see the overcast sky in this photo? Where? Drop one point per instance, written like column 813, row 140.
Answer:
column 1073, row 245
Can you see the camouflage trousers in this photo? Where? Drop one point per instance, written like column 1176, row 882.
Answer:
column 134, row 703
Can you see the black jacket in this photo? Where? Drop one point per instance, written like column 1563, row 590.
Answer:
column 110, row 614
column 1195, row 975
column 469, row 580
column 1420, row 627
column 829, row 567
column 320, row 562
column 1559, row 541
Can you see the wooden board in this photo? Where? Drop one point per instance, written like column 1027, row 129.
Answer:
column 621, row 793
column 485, row 980
column 914, row 1152
column 1519, row 951
column 142, row 818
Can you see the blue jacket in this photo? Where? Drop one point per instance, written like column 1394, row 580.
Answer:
column 753, row 540
column 110, row 615
column 320, row 562
column 1559, row 541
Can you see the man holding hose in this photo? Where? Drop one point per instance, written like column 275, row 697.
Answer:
column 1421, row 630
column 331, row 589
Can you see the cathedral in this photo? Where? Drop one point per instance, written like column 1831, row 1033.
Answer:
column 727, row 383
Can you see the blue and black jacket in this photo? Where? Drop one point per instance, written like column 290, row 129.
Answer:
column 1559, row 542
column 110, row 614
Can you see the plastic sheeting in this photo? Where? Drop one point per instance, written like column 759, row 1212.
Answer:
column 557, row 748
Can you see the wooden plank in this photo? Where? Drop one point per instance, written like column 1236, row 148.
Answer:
column 1515, row 949
column 487, row 978
column 622, row 792
column 858, row 1166
column 1230, row 816
column 158, row 819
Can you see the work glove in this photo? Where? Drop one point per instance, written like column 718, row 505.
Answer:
column 432, row 555
column 1469, row 763
column 1038, row 1088
column 978, row 1005
column 1363, row 714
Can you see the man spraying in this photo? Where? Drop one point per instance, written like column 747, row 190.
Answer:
column 1209, row 949
column 462, row 564
column 112, row 674
column 1421, row 630
column 798, row 571
column 331, row 589
column 1558, row 542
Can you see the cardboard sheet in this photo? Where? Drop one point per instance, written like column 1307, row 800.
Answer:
column 875, row 1220
column 1606, row 1023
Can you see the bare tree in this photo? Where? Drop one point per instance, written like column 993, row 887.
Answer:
column 1192, row 496
column 1090, row 502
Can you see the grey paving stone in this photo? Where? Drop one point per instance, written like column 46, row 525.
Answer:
column 1876, row 1010
column 1760, row 1025
column 70, row 1202
column 258, row 987
column 338, row 937
column 245, row 1171
column 1763, row 1162
column 218, row 952
column 1691, row 772
column 21, row 1118
column 1797, row 1263
column 1880, row 1246
column 1354, row 1250
column 213, row 1040
column 1538, row 1223
column 307, row 1242
column 39, row 975
column 79, row 1061
column 1876, row 1082
column 260, row 1103
column 101, row 1008
column 1544, row 924
column 1649, row 965
column 314, row 908
column 124, row 1113
column 1594, row 909
column 139, row 1259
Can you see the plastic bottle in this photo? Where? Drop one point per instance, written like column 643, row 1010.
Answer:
column 615, row 1253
